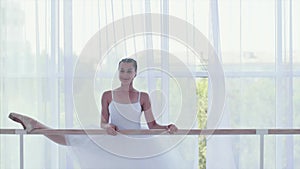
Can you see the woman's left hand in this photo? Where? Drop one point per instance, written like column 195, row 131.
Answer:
column 172, row 128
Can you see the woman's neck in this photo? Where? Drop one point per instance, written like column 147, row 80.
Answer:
column 126, row 87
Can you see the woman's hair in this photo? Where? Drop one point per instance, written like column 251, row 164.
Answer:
column 129, row 60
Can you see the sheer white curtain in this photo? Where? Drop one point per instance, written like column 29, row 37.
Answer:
column 36, row 64
column 218, row 148
column 259, row 42
column 41, row 41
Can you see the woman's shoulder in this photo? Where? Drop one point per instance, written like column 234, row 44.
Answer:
column 106, row 94
column 145, row 101
column 144, row 96
column 143, row 93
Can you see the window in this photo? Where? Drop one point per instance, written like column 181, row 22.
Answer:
column 258, row 44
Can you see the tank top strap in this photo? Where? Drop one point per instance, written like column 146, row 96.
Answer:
column 112, row 95
column 139, row 98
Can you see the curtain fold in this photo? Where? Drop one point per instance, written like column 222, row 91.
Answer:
column 219, row 148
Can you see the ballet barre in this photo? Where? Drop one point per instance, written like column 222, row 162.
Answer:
column 156, row 132
column 197, row 132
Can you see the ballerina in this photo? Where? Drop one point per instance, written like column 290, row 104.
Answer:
column 125, row 94
column 121, row 109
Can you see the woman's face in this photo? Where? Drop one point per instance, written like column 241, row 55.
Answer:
column 126, row 72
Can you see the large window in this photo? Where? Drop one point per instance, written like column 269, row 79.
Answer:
column 258, row 43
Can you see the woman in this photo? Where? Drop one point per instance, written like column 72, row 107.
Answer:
column 121, row 109
column 124, row 95
column 127, row 97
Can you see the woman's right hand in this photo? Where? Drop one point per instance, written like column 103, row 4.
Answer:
column 111, row 129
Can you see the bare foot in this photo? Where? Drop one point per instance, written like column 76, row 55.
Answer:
column 28, row 123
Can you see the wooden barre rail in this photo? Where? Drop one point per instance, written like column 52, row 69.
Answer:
column 260, row 132
column 156, row 132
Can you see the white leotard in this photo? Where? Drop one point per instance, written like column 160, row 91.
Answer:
column 125, row 115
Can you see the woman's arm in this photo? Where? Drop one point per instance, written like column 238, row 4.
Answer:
column 151, row 122
column 105, row 100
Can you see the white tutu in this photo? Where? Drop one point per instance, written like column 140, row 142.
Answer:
column 127, row 152
column 133, row 152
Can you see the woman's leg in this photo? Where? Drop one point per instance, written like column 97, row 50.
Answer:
column 30, row 124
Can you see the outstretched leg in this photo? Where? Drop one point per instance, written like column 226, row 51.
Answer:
column 30, row 124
